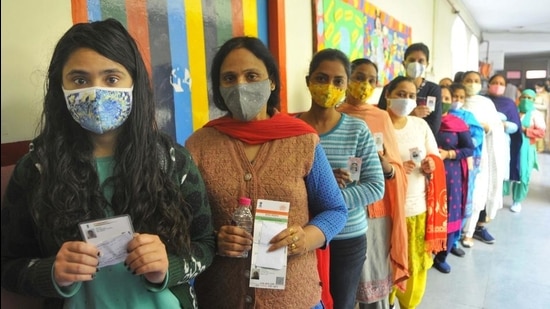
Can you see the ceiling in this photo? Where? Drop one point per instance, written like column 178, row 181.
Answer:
column 512, row 26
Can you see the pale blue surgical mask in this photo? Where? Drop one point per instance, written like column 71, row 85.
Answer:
column 99, row 109
column 415, row 69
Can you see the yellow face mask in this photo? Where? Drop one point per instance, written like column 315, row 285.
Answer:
column 360, row 90
column 326, row 95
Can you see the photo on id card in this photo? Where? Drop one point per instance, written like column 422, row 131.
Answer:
column 430, row 103
column 416, row 155
column 354, row 168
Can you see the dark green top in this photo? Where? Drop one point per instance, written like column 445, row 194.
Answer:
column 27, row 270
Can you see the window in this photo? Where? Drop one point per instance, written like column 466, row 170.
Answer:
column 473, row 53
column 513, row 75
column 459, row 43
column 534, row 74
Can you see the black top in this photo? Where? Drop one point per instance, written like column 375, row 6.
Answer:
column 427, row 89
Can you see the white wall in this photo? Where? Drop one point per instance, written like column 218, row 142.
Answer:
column 299, row 51
column 30, row 30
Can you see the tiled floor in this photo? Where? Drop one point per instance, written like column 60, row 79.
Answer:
column 512, row 273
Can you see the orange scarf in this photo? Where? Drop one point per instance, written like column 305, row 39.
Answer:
column 436, row 203
column 395, row 195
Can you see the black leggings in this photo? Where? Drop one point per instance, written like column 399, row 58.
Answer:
column 482, row 217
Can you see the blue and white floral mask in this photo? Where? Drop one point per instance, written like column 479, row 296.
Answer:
column 99, row 109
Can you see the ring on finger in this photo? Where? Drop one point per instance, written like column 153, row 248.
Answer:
column 295, row 238
column 293, row 246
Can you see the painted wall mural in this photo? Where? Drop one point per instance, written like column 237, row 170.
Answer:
column 360, row 29
column 178, row 39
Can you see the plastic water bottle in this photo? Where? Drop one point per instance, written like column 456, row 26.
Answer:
column 242, row 217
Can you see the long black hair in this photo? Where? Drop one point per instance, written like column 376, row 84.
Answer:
column 69, row 191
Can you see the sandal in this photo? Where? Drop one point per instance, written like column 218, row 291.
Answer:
column 467, row 242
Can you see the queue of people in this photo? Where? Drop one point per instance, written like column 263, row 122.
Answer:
column 382, row 193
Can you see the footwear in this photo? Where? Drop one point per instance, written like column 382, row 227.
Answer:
column 483, row 235
column 516, row 207
column 443, row 267
column 467, row 242
column 457, row 251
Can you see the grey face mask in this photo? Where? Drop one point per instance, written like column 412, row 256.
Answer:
column 245, row 101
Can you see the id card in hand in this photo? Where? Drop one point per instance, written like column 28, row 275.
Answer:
column 416, row 155
column 111, row 237
column 354, row 167
column 379, row 141
column 430, row 102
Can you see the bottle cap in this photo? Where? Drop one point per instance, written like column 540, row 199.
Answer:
column 244, row 201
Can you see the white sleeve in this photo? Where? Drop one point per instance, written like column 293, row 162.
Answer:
column 538, row 120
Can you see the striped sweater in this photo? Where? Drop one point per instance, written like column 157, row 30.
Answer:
column 352, row 138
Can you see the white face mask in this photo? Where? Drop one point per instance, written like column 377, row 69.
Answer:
column 456, row 105
column 401, row 107
column 415, row 69
column 472, row 89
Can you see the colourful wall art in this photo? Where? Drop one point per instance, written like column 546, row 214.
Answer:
column 178, row 39
column 361, row 30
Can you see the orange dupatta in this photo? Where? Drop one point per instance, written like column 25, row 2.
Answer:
column 436, row 204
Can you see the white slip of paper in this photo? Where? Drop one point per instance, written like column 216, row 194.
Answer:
column 275, row 259
column 114, row 250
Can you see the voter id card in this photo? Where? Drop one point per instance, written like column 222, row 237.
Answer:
column 379, row 141
column 354, row 167
column 111, row 237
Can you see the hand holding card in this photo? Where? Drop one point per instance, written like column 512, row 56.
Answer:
column 421, row 101
column 110, row 236
column 416, row 155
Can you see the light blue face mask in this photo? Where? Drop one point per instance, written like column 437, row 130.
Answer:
column 99, row 109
